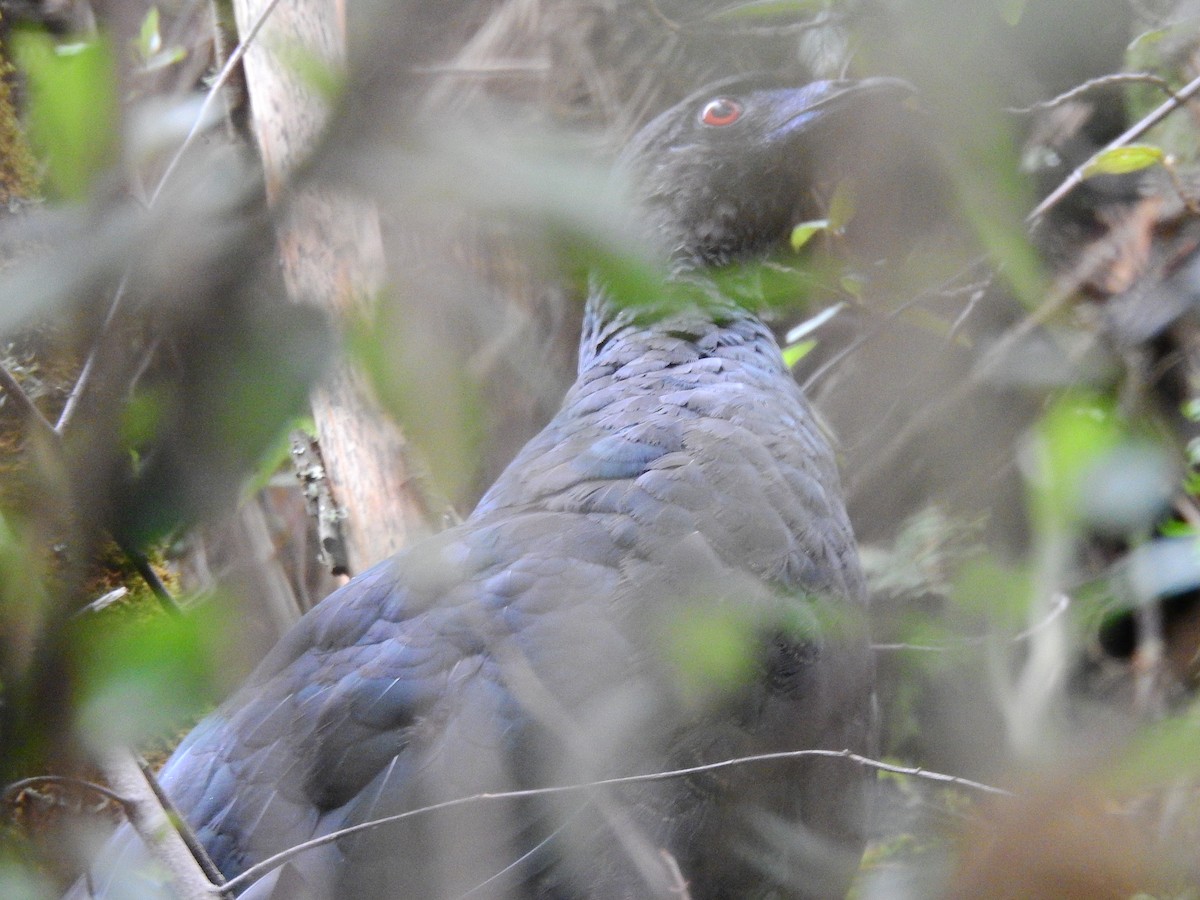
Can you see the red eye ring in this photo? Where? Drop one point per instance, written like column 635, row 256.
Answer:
column 721, row 111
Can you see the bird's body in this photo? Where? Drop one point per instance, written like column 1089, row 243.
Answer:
column 682, row 507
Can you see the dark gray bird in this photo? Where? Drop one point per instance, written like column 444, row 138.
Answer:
column 664, row 577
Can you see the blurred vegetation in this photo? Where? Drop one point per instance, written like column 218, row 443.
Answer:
column 1014, row 401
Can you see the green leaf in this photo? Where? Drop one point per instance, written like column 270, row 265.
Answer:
column 72, row 108
column 1192, row 449
column 1191, row 483
column 143, row 415
column 278, row 456
column 769, row 9
column 149, row 40
column 1072, row 437
column 1161, row 754
column 803, row 232
column 1122, row 160
column 987, row 588
column 141, row 676
column 1011, row 11
column 793, row 353
column 313, row 70
column 842, row 205
column 852, row 284
column 1177, row 529
column 713, row 651
column 433, row 395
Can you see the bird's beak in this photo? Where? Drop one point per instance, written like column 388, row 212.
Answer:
column 798, row 108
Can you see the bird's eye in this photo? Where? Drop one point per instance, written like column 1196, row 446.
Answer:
column 722, row 111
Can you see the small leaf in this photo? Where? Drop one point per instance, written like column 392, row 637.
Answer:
column 793, row 353
column 313, row 70
column 72, row 108
column 713, row 651
column 149, row 40
column 1191, row 483
column 768, row 9
column 1177, row 529
column 165, row 59
column 852, row 284
column 1011, row 11
column 842, row 205
column 1073, row 435
column 803, row 232
column 1122, row 160
column 808, row 326
column 142, row 675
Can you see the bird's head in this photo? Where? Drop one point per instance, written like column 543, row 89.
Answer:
column 723, row 175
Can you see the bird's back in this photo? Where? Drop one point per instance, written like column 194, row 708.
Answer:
column 682, row 488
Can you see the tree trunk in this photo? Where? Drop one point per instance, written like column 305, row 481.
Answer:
column 332, row 255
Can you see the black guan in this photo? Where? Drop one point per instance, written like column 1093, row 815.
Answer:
column 664, row 577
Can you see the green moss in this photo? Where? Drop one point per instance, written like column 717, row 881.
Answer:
column 18, row 167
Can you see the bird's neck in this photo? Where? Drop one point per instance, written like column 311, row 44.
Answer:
column 693, row 317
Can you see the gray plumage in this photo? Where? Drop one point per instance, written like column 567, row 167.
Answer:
column 683, row 502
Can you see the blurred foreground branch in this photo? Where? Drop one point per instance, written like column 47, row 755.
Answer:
column 150, row 821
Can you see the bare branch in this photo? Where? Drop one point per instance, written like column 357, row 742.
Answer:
column 1092, row 84
column 213, row 92
column 662, row 18
column 256, row 872
column 234, row 58
column 1061, row 603
column 150, row 821
column 142, row 564
column 85, row 374
column 486, row 70
column 197, row 849
column 13, row 389
column 882, row 327
column 1130, row 134
column 11, row 791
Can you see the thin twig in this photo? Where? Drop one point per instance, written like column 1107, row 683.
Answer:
column 1131, row 134
column 662, row 18
column 85, row 374
column 946, row 289
column 1061, row 603
column 142, row 564
column 680, row 886
column 989, row 362
column 148, row 818
column 978, row 292
column 210, row 98
column 197, row 849
column 534, row 695
column 1187, row 509
column 13, row 389
column 1093, row 83
column 12, row 790
column 524, row 857
column 490, row 70
column 77, row 390
column 1168, row 164
column 255, row 872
